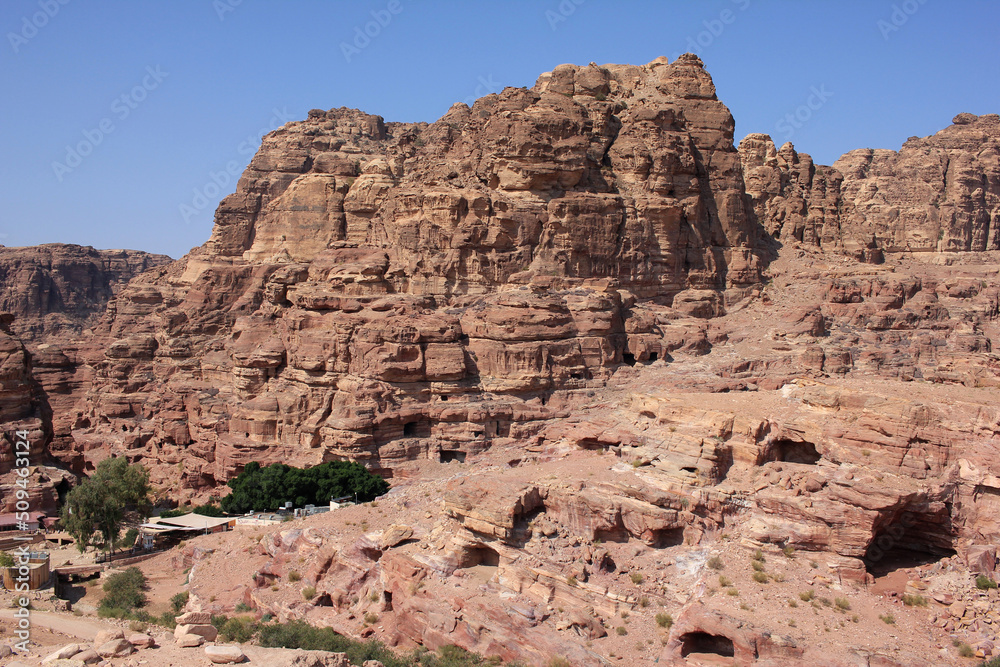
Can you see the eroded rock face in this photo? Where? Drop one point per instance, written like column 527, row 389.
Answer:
column 645, row 341
column 388, row 291
column 49, row 296
column 57, row 287
column 938, row 193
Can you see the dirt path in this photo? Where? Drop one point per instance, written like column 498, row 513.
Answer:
column 71, row 626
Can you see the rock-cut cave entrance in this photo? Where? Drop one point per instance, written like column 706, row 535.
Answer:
column 482, row 562
column 911, row 539
column 449, row 455
column 703, row 643
column 795, row 451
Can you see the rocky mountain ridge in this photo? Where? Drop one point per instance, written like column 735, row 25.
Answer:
column 587, row 274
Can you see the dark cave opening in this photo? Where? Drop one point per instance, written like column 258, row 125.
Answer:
column 667, row 537
column 481, row 555
column 703, row 642
column 910, row 540
column 653, row 356
column 628, row 358
column 449, row 455
column 410, row 430
column 792, row 451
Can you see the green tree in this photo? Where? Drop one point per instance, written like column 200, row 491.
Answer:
column 268, row 489
column 117, row 494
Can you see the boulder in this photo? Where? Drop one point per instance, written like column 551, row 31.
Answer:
column 194, row 618
column 204, row 630
column 104, row 636
column 67, row 651
column 89, row 657
column 141, row 640
column 224, row 655
column 116, row 648
column 190, row 641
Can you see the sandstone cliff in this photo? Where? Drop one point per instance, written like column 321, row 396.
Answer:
column 385, row 291
column 643, row 341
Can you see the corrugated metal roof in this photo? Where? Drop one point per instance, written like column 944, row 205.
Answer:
column 189, row 521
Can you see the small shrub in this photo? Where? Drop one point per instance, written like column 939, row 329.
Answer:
column 123, row 592
column 371, row 618
column 178, row 601
column 243, row 608
column 294, row 576
column 733, row 592
column 791, row 622
column 914, row 600
column 624, row 615
column 6, row 560
column 793, row 604
column 636, row 578
column 759, row 556
column 760, row 577
column 559, row 662
column 664, row 620
column 807, row 596
column 984, row 583
column 789, row 551
column 843, row 604
column 621, row 631
column 855, row 618
column 167, row 620
column 888, row 619
column 309, row 592
column 826, row 602
column 240, row 629
column 965, row 650
column 643, row 602
column 716, row 563
column 138, row 626
column 571, row 580
column 757, row 566
column 725, row 581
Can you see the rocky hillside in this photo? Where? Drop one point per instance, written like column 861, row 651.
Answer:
column 49, row 297
column 587, row 337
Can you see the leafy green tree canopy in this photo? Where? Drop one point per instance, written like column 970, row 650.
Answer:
column 116, row 494
column 268, row 489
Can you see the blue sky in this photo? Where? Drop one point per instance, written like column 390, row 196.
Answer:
column 167, row 98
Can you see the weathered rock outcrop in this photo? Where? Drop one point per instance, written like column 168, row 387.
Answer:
column 385, row 291
column 936, row 194
column 60, row 288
